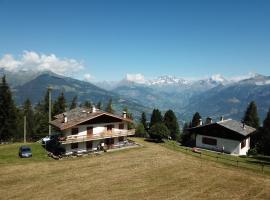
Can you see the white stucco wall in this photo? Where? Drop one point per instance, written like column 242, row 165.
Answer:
column 97, row 128
column 230, row 146
column 82, row 146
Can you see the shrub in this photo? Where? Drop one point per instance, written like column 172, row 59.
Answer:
column 159, row 131
column 140, row 131
column 252, row 152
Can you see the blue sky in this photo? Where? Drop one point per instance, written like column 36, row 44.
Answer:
column 112, row 38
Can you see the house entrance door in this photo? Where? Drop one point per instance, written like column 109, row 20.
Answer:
column 89, row 131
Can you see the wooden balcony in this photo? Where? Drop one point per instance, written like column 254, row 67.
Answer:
column 103, row 135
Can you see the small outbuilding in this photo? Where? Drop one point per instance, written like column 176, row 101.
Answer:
column 227, row 136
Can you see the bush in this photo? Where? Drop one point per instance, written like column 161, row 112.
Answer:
column 252, row 152
column 140, row 131
column 55, row 147
column 159, row 131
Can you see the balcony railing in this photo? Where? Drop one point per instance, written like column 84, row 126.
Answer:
column 103, row 135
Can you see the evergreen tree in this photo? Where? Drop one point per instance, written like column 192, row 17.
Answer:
column 251, row 117
column 99, row 105
column 186, row 137
column 87, row 104
column 41, row 119
column 109, row 107
column 8, row 117
column 159, row 131
column 59, row 105
column 156, row 117
column 73, row 103
column 143, row 121
column 171, row 122
column 196, row 119
column 140, row 131
column 265, row 140
column 29, row 113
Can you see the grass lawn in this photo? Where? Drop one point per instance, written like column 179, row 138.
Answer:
column 253, row 163
column 149, row 172
column 9, row 154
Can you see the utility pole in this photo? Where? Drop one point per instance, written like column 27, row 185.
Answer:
column 24, row 129
column 50, row 108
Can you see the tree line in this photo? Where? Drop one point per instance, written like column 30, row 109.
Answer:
column 167, row 127
column 37, row 127
column 160, row 127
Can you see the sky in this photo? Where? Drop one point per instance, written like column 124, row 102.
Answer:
column 106, row 40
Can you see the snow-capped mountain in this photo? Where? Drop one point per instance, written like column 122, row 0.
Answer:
column 168, row 80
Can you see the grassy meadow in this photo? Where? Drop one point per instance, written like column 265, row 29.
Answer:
column 153, row 171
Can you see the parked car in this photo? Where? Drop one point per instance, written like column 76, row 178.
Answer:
column 25, row 152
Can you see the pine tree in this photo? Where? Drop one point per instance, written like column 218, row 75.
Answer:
column 29, row 113
column 196, row 119
column 143, row 121
column 159, row 131
column 59, row 105
column 87, row 104
column 251, row 117
column 265, row 140
column 170, row 120
column 41, row 119
column 99, row 105
column 73, row 103
column 8, row 117
column 140, row 131
column 156, row 117
column 109, row 107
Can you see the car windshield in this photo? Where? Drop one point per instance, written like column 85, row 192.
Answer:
column 26, row 149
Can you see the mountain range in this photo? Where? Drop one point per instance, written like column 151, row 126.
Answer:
column 33, row 85
column 214, row 96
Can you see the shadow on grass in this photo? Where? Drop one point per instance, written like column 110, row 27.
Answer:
column 153, row 140
column 258, row 162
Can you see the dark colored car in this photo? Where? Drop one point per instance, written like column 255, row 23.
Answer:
column 25, row 152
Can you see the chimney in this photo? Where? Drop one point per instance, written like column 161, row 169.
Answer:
column 65, row 118
column 243, row 125
column 124, row 114
column 221, row 119
column 93, row 109
column 209, row 120
column 200, row 123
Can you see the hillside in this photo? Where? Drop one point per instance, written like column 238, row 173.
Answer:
column 36, row 88
column 149, row 172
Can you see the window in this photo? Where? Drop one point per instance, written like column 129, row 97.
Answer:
column 110, row 127
column 89, row 130
column 209, row 141
column 74, row 131
column 121, row 126
column 243, row 144
column 89, row 144
column 74, row 145
column 121, row 139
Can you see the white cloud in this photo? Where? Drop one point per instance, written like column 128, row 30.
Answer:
column 137, row 78
column 88, row 77
column 31, row 60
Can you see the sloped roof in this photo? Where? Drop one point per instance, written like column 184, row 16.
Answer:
column 237, row 127
column 79, row 115
column 237, row 130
